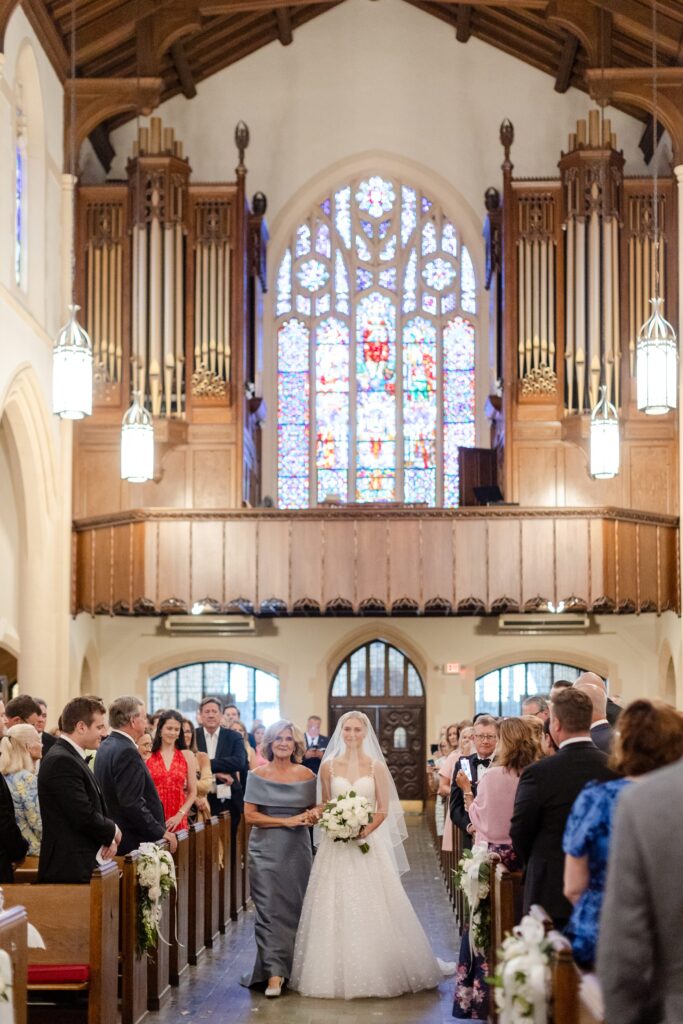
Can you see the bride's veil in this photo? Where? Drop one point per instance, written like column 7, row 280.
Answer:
column 393, row 831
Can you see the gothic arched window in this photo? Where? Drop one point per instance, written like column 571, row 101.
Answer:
column 376, row 307
column 20, row 192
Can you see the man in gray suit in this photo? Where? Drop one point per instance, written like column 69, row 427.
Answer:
column 640, row 953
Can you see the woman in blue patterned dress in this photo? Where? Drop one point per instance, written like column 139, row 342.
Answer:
column 20, row 750
column 650, row 736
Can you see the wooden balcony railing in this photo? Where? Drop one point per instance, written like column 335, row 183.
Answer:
column 397, row 561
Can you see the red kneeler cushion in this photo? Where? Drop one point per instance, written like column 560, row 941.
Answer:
column 58, row 974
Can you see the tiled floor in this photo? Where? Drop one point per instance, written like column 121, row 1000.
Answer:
column 211, row 991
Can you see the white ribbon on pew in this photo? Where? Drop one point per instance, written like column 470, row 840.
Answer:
column 34, row 938
column 6, row 998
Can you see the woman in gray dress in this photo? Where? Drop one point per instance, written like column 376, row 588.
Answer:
column 277, row 800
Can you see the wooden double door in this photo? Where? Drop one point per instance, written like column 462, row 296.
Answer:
column 400, row 728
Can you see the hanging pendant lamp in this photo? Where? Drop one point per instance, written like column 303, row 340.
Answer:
column 137, row 443
column 72, row 370
column 656, row 363
column 604, row 439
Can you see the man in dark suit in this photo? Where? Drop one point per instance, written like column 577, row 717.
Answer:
column 315, row 744
column 485, row 739
column 22, row 709
column 77, row 829
column 601, row 731
column 128, row 789
column 13, row 846
column 546, row 792
column 228, row 757
column 45, row 738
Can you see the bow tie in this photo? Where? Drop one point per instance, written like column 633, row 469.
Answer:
column 484, row 761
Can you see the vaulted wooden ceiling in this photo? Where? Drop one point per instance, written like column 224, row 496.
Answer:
column 182, row 42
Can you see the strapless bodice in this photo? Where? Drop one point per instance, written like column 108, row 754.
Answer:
column 363, row 786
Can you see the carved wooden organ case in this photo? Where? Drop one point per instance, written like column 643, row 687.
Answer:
column 571, row 269
column 170, row 278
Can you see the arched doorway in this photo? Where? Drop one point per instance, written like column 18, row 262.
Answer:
column 381, row 681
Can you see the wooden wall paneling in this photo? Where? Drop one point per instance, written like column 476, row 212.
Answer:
column 669, row 573
column 213, row 477
column 609, row 581
column 626, row 581
column 646, row 559
column 471, row 555
column 241, row 557
column 571, row 558
column 539, row 566
column 273, row 560
column 152, row 562
column 97, row 480
column 84, row 571
column 504, row 554
column 581, row 491
column 651, row 478
column 169, row 488
column 207, row 560
column 101, row 573
column 174, row 560
column 137, row 562
column 123, row 539
column 437, row 559
column 536, row 468
column 307, row 561
column 404, row 560
column 372, row 564
column 596, row 568
column 339, row 566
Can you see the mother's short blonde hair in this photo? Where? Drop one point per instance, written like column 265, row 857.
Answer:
column 14, row 753
column 269, row 738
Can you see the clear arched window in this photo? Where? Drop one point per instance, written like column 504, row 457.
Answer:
column 256, row 693
column 377, row 669
column 20, row 191
column 501, row 691
column 376, row 306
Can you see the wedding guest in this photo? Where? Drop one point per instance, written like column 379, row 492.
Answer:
column 558, row 686
column 490, row 814
column 546, row 792
column 465, row 748
column 536, row 724
column 650, row 736
column 237, row 726
column 13, row 846
column 228, row 761
column 22, row 709
column 601, row 730
column 613, row 709
column 231, row 713
column 466, row 740
column 204, row 773
column 47, row 739
column 3, row 717
column 259, row 733
column 144, row 745
column 315, row 743
column 20, row 752
column 536, row 705
column 277, row 797
column 440, row 757
column 639, row 961
column 126, row 784
column 174, row 770
column 548, row 744
column 485, row 739
column 76, row 823
column 452, row 735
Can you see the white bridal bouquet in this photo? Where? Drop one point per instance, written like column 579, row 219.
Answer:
column 156, row 878
column 345, row 817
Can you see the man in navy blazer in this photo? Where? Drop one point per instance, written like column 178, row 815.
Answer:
column 228, row 757
column 127, row 786
column 76, row 823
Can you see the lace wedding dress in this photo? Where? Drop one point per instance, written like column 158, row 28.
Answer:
column 358, row 935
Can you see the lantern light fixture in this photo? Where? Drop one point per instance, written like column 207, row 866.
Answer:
column 137, row 443
column 72, row 370
column 604, row 439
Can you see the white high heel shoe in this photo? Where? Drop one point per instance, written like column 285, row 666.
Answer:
column 273, row 991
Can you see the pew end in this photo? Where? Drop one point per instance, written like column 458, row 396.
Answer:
column 13, row 941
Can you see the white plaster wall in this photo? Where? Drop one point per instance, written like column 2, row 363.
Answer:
column 9, row 545
column 633, row 651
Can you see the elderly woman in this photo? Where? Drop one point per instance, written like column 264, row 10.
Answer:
column 277, row 800
column 20, row 750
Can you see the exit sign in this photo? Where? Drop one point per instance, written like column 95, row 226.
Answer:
column 452, row 668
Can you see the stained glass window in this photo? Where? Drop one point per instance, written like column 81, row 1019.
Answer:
column 20, row 192
column 376, row 306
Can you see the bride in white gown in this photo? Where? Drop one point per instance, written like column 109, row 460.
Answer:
column 358, row 934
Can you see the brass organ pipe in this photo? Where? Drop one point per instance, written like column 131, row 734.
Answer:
column 197, row 305
column 616, row 333
column 142, row 310
column 544, row 301
column 118, row 330
column 220, row 305
column 156, row 291
column 226, row 317
column 520, row 308
column 570, row 308
column 90, row 300
column 552, row 357
column 212, row 307
column 536, row 301
column 107, row 303
column 169, row 317
column 637, row 244
column 607, row 287
column 647, row 279
column 528, row 336
column 179, row 319
column 98, row 304
column 205, row 305
column 594, row 315
column 631, row 306
column 580, row 313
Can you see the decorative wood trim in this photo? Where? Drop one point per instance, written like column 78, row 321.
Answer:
column 590, row 25
column 98, row 99
column 6, row 11
column 565, row 68
column 284, row 25
column 463, row 29
column 183, row 69
column 634, row 86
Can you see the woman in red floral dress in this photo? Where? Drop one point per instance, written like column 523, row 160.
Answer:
column 174, row 770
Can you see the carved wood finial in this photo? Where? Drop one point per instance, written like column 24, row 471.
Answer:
column 507, row 137
column 242, row 142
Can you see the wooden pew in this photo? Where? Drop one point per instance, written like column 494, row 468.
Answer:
column 212, row 838
column 26, row 870
column 506, row 906
column 458, row 894
column 567, row 1007
column 79, row 925
column 178, row 916
column 224, row 873
column 158, row 960
column 13, row 941
column 133, row 967
column 195, row 937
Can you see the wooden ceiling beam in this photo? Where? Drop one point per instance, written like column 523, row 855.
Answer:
column 633, row 86
column 284, row 25
column 463, row 28
column 183, row 69
column 6, row 12
column 567, row 62
column 98, row 99
column 592, row 27
column 635, row 19
column 101, row 143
